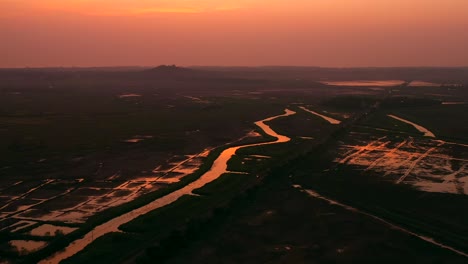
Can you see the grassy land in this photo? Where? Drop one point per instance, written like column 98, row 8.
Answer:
column 158, row 225
column 381, row 120
column 31, row 123
column 432, row 214
column 104, row 216
column 279, row 224
column 67, row 129
column 446, row 121
column 278, row 227
column 195, row 227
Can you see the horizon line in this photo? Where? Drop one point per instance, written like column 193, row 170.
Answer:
column 229, row 66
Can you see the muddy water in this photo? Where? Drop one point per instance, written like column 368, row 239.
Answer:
column 27, row 246
column 218, row 168
column 426, row 132
column 51, row 230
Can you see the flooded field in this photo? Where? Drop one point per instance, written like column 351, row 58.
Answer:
column 453, row 103
column 326, row 118
column 218, row 168
column 24, row 247
column 51, row 230
column 365, row 83
column 129, row 95
column 422, row 129
column 426, row 164
column 85, row 145
column 74, row 201
column 137, row 139
column 423, row 84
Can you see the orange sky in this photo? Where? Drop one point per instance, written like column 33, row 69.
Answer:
column 39, row 33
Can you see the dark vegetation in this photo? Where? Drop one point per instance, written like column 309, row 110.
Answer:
column 107, row 215
column 431, row 74
column 276, row 223
column 356, row 102
column 446, row 121
column 161, row 224
column 432, row 214
column 68, row 124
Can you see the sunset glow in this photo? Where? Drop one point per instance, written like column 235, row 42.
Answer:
column 232, row 131
column 259, row 32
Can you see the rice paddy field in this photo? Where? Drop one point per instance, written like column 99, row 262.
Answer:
column 329, row 160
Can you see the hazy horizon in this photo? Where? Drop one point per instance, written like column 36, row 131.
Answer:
column 234, row 66
column 320, row 33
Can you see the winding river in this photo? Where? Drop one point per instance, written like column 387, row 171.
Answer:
column 218, row 168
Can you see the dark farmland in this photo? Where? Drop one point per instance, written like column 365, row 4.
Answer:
column 68, row 135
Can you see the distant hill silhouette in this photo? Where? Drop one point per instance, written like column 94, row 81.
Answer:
column 173, row 71
column 169, row 69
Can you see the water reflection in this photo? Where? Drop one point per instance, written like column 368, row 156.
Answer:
column 218, row 168
column 422, row 129
column 365, row 83
column 328, row 119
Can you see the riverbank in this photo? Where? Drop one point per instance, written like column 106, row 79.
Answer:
column 218, row 168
